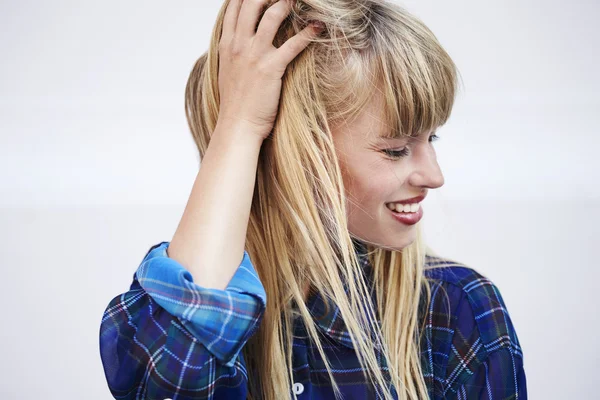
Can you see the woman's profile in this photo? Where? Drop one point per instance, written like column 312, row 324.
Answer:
column 298, row 269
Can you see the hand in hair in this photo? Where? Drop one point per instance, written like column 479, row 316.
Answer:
column 250, row 67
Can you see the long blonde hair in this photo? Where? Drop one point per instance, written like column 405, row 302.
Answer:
column 298, row 233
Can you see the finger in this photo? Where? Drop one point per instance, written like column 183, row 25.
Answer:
column 249, row 14
column 271, row 21
column 294, row 45
column 230, row 20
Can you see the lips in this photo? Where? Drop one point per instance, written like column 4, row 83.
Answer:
column 413, row 200
column 408, row 218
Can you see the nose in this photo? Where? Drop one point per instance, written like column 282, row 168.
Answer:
column 426, row 170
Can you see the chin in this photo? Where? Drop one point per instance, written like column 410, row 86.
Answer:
column 404, row 242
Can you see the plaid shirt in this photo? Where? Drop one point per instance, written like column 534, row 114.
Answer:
column 168, row 338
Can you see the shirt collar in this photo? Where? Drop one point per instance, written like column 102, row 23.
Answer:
column 326, row 313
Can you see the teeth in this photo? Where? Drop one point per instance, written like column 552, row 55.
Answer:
column 403, row 207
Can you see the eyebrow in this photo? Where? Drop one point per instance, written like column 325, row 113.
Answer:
column 387, row 137
column 384, row 136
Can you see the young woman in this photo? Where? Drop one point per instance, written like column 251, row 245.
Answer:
column 298, row 269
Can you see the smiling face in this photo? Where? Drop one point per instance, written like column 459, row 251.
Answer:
column 375, row 174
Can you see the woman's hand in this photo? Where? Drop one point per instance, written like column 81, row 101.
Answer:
column 250, row 67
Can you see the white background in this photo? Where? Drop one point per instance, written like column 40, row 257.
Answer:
column 96, row 165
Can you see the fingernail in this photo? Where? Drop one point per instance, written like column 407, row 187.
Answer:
column 318, row 24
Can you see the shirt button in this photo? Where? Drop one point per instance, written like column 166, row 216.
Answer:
column 298, row 388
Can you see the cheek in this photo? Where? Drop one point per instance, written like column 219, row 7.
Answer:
column 365, row 205
column 370, row 183
column 373, row 189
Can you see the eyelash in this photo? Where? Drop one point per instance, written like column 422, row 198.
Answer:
column 404, row 151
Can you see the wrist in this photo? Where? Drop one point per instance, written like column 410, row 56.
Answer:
column 240, row 130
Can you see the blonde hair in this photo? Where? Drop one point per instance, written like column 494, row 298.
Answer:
column 298, row 233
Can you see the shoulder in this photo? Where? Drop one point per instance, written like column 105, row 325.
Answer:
column 451, row 271
column 474, row 300
column 477, row 322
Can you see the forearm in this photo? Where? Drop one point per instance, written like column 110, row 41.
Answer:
column 210, row 238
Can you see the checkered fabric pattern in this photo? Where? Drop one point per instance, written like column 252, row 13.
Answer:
column 169, row 338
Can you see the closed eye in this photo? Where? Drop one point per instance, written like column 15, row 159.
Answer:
column 396, row 153
column 399, row 153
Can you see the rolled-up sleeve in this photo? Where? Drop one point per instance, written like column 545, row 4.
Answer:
column 168, row 337
column 222, row 320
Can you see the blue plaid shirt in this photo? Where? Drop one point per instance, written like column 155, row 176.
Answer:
column 168, row 338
